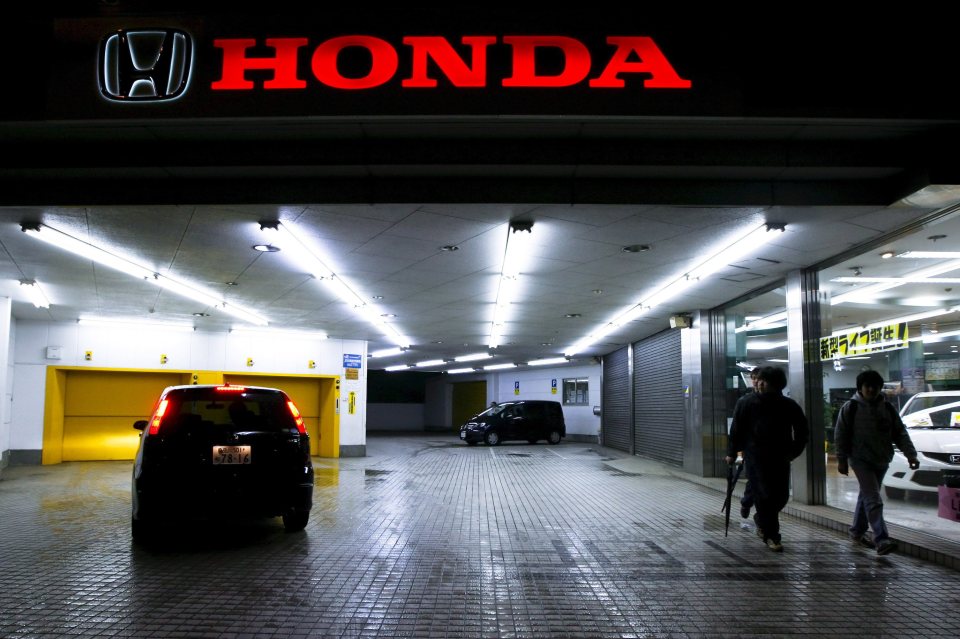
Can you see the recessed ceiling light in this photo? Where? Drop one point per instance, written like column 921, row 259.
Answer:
column 598, row 291
column 450, row 247
column 388, row 315
column 887, row 255
column 265, row 248
column 439, row 341
column 636, row 248
column 378, row 297
column 231, row 283
column 572, row 315
column 201, row 314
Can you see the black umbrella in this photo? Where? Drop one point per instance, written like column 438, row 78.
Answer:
column 732, row 478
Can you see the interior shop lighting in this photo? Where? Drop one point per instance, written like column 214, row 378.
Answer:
column 458, row 371
column 388, row 352
column 301, row 251
column 96, row 254
column 108, row 322
column 515, row 252
column 764, row 346
column 774, row 320
column 916, row 317
column 399, row 367
column 741, row 246
column 497, row 367
column 548, row 361
column 34, row 294
column 278, row 332
column 473, row 357
column 865, row 294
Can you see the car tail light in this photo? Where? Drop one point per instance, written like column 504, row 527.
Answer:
column 296, row 417
column 231, row 389
column 158, row 416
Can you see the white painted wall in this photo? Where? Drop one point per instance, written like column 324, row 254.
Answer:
column 141, row 348
column 535, row 383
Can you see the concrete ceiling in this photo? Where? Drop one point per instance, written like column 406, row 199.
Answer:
column 577, row 277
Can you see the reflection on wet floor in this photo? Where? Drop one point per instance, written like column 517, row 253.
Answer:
column 427, row 540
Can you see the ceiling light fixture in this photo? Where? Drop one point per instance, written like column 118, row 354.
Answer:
column 388, row 352
column 548, row 361
column 430, row 362
column 96, row 254
column 472, row 357
column 401, row 367
column 497, row 367
column 287, row 236
column 458, row 371
column 266, row 248
column 515, row 252
column 886, row 255
column 865, row 294
column 774, row 320
column 34, row 294
column 740, row 247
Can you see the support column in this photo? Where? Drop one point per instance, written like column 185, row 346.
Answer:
column 6, row 319
column 806, row 381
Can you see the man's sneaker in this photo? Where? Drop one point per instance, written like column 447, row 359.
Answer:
column 775, row 546
column 745, row 512
column 862, row 540
column 886, row 546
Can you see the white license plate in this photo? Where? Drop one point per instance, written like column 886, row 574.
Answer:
column 231, row 455
column 463, row 434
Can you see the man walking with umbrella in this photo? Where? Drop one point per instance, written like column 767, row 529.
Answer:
column 772, row 431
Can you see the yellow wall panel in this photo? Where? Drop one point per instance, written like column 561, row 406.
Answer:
column 100, row 438
column 469, row 398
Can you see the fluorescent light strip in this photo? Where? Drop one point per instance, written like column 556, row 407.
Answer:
column 76, row 246
column 896, row 320
column 472, row 357
column 518, row 241
column 292, row 240
column 458, row 371
column 401, row 367
column 388, row 352
column 35, row 295
column 497, row 367
column 548, row 361
column 430, row 362
column 768, row 321
column 739, row 248
column 859, row 294
column 106, row 322
column 765, row 346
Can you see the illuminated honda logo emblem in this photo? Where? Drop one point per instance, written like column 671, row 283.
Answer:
column 145, row 65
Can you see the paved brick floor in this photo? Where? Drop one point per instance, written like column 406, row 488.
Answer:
column 426, row 537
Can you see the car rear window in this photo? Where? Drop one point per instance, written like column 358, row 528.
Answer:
column 249, row 410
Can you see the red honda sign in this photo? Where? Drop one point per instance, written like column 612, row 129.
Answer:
column 634, row 59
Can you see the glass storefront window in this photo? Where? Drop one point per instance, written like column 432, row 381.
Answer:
column 896, row 310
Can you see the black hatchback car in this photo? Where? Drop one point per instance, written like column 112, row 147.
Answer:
column 530, row 420
column 222, row 452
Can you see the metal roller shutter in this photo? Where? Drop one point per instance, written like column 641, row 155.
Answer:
column 658, row 396
column 615, row 416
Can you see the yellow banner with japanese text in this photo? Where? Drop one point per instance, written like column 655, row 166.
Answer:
column 868, row 340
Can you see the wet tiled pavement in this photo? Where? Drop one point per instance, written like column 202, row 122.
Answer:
column 427, row 537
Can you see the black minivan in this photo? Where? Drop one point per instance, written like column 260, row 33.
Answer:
column 530, row 420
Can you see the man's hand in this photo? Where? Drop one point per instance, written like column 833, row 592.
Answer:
column 842, row 467
column 914, row 463
column 728, row 459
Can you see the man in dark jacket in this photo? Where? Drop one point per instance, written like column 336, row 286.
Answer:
column 772, row 431
column 867, row 428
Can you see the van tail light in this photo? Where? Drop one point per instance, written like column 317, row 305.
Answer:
column 296, row 417
column 158, row 416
